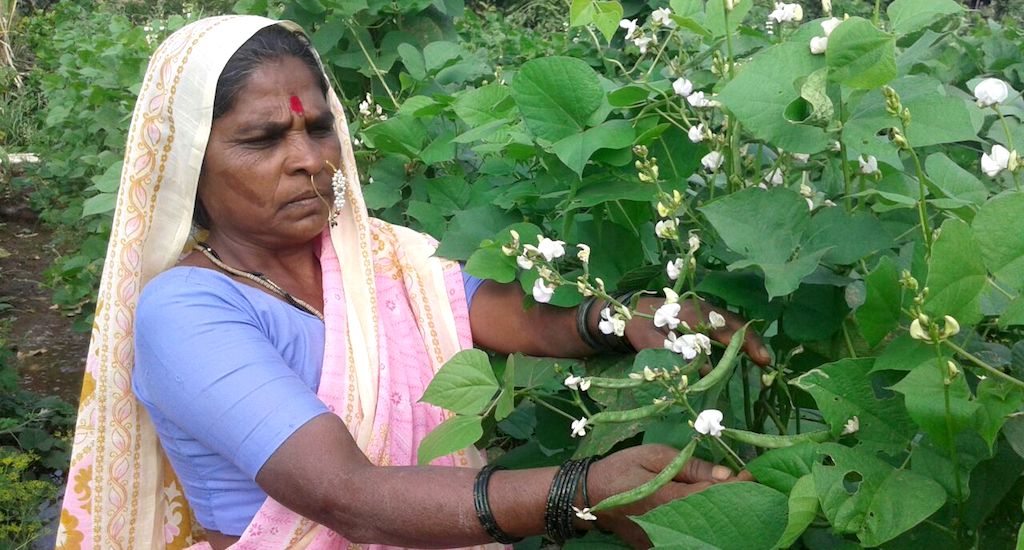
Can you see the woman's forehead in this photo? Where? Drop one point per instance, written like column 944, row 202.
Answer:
column 270, row 88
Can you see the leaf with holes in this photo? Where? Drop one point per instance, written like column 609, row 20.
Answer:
column 863, row 495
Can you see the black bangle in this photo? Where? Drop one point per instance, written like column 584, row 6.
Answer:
column 582, row 328
column 482, row 503
column 558, row 514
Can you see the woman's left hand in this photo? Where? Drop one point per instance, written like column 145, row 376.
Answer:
column 642, row 334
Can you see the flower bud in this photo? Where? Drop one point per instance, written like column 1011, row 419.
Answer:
column 918, row 332
column 768, row 378
column 951, row 328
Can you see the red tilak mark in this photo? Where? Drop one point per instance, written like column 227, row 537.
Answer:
column 296, row 105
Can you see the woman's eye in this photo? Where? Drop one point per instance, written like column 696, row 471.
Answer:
column 321, row 130
column 260, row 142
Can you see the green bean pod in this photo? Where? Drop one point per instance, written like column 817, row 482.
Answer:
column 725, row 367
column 769, row 441
column 630, row 415
column 652, row 485
column 614, row 383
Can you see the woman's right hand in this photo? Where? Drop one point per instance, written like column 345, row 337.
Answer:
column 630, row 468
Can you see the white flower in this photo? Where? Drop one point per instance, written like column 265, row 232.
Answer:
column 524, row 262
column 577, row 383
column 579, row 427
column 696, row 133
column 774, row 177
column 712, row 161
column 786, row 12
column 851, row 426
column 630, row 26
column 693, row 242
column 709, row 422
column 826, row 7
column 716, row 320
column 697, row 100
column 952, row 326
column 584, row 253
column 917, row 332
column 991, row 91
column 730, row 4
column 666, row 229
column 611, row 324
column 682, row 86
column 663, row 16
column 810, row 203
column 674, row 268
column 819, row 44
column 995, row 162
column 550, row 249
column 688, row 345
column 584, row 514
column 667, row 314
column 801, row 157
column 830, row 25
column 643, row 42
column 868, row 164
column 542, row 292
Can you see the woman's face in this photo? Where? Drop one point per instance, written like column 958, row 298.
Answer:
column 256, row 178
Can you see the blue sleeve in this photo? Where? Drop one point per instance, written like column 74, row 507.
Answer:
column 204, row 362
column 471, row 284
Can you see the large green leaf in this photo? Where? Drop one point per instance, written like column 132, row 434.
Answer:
column 765, row 225
column 782, row 468
column 454, row 434
column 861, row 56
column 956, row 274
column 782, row 278
column 864, row 495
column 843, row 390
column 483, row 105
column 707, row 519
column 764, row 89
column 880, row 313
column 937, row 463
column 850, row 237
column 997, row 400
column 941, row 410
column 999, row 230
column 949, row 179
column 469, row 228
column 603, row 14
column 908, row 16
column 557, row 95
column 803, row 508
column 575, row 150
column 465, row 384
column 716, row 20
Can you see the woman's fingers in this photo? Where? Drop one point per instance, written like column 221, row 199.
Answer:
column 753, row 346
column 697, row 471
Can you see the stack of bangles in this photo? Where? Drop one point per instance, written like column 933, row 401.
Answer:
column 601, row 342
column 558, row 512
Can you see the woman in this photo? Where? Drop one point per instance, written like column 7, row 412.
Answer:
column 280, row 362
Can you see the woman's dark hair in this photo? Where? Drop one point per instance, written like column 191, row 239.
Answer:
column 268, row 44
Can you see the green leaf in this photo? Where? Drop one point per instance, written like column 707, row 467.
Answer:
column 556, row 96
column 904, row 354
column 908, row 16
column 627, row 95
column 765, row 225
column 861, row 56
column 482, row 105
column 936, row 462
column 781, row 469
column 110, row 180
column 851, row 237
column 507, row 398
column 999, row 230
column 404, row 135
column 604, row 15
column 465, row 384
column 880, row 314
column 864, row 495
column 803, row 508
column 452, row 435
column 440, row 54
column 99, row 204
column 412, row 58
column 1013, row 315
column 950, row 180
column 707, row 519
column 782, row 278
column 843, row 390
column 927, row 397
column 469, row 228
column 997, row 400
column 716, row 16
column 814, row 312
column 760, row 94
column 575, row 150
column 814, row 107
column 489, row 262
column 956, row 274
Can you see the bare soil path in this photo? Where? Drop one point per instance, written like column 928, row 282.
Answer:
column 49, row 355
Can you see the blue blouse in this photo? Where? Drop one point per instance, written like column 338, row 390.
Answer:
column 227, row 372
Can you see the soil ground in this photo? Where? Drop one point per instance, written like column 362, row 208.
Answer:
column 49, row 355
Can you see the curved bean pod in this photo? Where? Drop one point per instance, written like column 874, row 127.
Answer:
column 652, row 485
column 724, row 369
column 630, row 415
column 769, row 441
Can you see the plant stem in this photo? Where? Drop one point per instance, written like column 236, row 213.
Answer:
column 547, row 405
column 978, row 362
column 730, row 455
column 1009, row 142
column 849, row 342
column 944, row 374
column 876, row 18
column 376, row 71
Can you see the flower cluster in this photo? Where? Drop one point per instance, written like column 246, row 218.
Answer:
column 785, row 13
column 820, row 43
column 370, row 110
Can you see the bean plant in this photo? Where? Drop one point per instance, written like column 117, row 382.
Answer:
column 848, row 183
